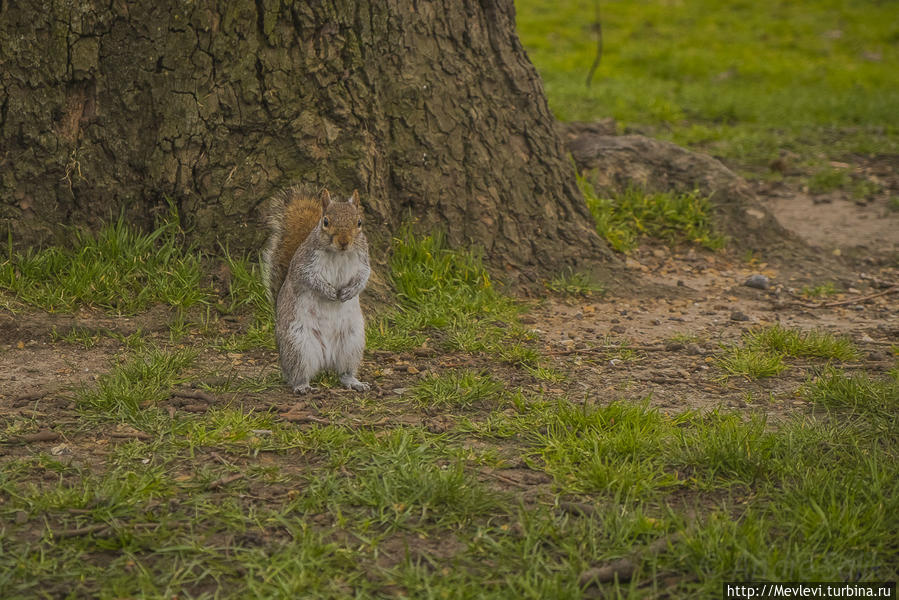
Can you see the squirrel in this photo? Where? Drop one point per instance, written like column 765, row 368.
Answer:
column 315, row 265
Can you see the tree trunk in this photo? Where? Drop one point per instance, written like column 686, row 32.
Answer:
column 430, row 108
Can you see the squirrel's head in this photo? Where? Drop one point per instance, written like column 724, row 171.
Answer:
column 341, row 222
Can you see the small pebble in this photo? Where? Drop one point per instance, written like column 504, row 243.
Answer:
column 618, row 329
column 60, row 449
column 694, row 349
column 758, row 281
column 739, row 316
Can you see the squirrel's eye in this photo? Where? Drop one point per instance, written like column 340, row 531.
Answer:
column 359, row 223
column 325, row 222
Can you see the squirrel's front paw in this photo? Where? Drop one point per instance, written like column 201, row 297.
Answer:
column 344, row 294
column 354, row 384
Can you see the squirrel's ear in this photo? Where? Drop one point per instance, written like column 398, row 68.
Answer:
column 354, row 199
column 325, row 198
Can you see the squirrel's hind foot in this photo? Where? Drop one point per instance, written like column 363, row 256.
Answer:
column 351, row 382
column 303, row 388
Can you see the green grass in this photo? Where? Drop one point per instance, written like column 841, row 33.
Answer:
column 574, row 283
column 822, row 290
column 684, row 338
column 631, row 214
column 437, row 290
column 808, row 344
column 457, row 390
column 76, row 335
column 815, row 77
column 762, row 350
column 247, row 293
column 446, row 298
column 773, row 498
column 119, row 269
column 357, row 507
column 828, row 180
column 144, row 379
column 444, row 286
column 752, row 363
column 858, row 393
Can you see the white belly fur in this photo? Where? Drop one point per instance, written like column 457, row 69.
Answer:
column 321, row 333
column 326, row 333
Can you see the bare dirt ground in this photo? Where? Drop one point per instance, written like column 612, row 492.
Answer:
column 864, row 228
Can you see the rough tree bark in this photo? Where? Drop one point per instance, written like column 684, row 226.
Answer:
column 431, row 108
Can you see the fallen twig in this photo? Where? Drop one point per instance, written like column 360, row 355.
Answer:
column 67, row 533
column 598, row 58
column 219, row 458
column 19, row 400
column 623, row 568
column 194, row 394
column 140, row 435
column 298, row 418
column 505, row 479
column 666, row 380
column 856, row 300
column 577, row 507
column 45, row 435
column 225, row 481
column 603, row 349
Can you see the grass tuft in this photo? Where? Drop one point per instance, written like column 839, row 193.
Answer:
column 247, row 292
column 146, row 378
column 750, row 362
column 459, row 389
column 762, row 351
column 673, row 218
column 828, row 180
column 119, row 269
column 447, row 296
column 437, row 289
column 574, row 283
column 858, row 392
column 822, row 290
column 442, row 285
column 810, row 344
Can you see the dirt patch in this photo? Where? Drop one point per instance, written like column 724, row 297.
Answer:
column 840, row 222
column 664, row 349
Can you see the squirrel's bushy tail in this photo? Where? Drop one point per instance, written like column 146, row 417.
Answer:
column 291, row 215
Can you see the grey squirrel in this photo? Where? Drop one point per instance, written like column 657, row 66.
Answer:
column 315, row 265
